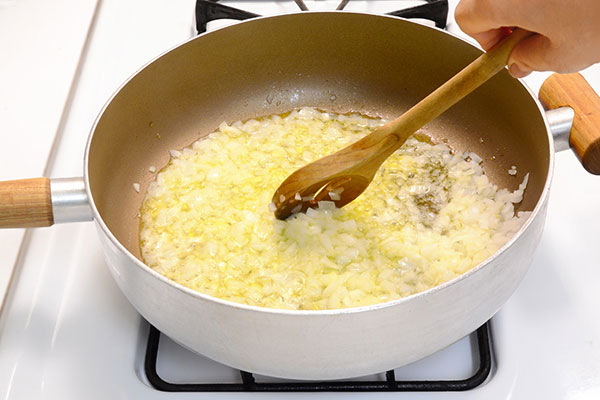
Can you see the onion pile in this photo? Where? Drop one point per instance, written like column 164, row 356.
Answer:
column 428, row 216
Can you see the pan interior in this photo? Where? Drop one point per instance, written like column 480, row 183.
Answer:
column 335, row 61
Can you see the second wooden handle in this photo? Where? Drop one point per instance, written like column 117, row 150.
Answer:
column 572, row 90
column 25, row 203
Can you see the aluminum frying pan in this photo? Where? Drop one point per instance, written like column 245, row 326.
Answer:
column 335, row 61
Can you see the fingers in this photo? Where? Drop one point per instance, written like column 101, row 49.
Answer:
column 568, row 46
column 517, row 72
column 489, row 38
column 477, row 16
column 482, row 19
column 535, row 53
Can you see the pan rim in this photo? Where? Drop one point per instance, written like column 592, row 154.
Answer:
column 315, row 313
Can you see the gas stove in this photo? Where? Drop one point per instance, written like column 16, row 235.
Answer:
column 210, row 14
column 66, row 331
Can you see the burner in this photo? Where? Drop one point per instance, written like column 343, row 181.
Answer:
column 209, row 10
column 389, row 385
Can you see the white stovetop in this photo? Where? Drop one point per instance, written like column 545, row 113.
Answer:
column 59, row 310
column 40, row 49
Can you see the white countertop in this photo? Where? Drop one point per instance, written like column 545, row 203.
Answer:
column 41, row 45
column 37, row 84
column 554, row 309
column 47, row 46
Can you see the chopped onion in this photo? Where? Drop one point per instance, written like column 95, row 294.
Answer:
column 334, row 196
column 429, row 215
column 175, row 153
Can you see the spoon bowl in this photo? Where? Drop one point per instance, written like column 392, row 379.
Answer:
column 342, row 176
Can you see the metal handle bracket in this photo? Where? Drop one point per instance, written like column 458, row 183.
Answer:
column 561, row 121
column 69, row 200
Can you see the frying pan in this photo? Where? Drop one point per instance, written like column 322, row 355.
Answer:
column 335, row 61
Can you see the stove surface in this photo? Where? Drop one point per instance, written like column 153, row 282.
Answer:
column 277, row 7
column 462, row 366
column 67, row 332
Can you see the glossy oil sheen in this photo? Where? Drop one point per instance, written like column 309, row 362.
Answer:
column 339, row 62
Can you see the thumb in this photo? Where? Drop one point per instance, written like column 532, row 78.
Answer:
column 532, row 54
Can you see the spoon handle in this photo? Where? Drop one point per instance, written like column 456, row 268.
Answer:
column 468, row 79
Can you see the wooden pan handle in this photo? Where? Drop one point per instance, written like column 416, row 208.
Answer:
column 572, row 90
column 25, row 203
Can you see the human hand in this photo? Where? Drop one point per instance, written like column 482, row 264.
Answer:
column 567, row 32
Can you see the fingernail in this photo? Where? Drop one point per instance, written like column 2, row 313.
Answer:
column 518, row 72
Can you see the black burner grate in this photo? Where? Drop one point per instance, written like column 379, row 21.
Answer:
column 389, row 385
column 210, row 10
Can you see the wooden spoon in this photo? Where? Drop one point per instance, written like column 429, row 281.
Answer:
column 343, row 176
